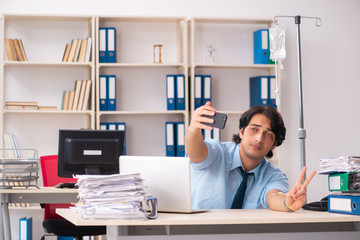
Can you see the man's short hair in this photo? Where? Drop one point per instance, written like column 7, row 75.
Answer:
column 277, row 123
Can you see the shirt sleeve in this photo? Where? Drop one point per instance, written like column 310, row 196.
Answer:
column 213, row 151
column 278, row 180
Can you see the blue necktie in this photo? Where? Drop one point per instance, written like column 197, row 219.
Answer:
column 240, row 194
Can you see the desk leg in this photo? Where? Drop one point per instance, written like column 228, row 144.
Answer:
column 6, row 235
column 113, row 232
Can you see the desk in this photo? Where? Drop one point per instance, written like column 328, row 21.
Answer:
column 235, row 217
column 31, row 195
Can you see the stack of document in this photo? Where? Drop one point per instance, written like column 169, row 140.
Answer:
column 340, row 164
column 117, row 196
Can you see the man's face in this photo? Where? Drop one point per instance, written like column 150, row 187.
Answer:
column 257, row 139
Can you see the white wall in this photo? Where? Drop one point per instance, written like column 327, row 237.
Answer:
column 329, row 61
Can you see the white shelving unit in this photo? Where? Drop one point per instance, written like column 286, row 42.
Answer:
column 140, row 83
column 233, row 66
column 44, row 77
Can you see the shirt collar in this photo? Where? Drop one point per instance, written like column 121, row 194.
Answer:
column 237, row 162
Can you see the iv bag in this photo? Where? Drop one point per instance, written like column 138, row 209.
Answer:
column 277, row 43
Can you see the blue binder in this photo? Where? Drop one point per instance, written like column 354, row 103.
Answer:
column 206, row 88
column 103, row 126
column 111, row 96
column 25, row 229
column 262, row 91
column 261, row 46
column 103, row 93
column 180, row 92
column 170, row 91
column 180, row 139
column 112, row 126
column 122, row 126
column 111, row 45
column 170, row 138
column 216, row 134
column 344, row 203
column 198, row 89
column 102, row 45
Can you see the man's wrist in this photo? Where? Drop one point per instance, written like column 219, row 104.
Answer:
column 286, row 207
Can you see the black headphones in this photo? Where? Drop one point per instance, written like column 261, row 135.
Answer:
column 317, row 206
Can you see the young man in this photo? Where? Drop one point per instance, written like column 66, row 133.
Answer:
column 219, row 168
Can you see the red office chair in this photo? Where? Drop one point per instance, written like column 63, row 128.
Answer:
column 54, row 223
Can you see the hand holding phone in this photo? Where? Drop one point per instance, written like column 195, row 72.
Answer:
column 219, row 120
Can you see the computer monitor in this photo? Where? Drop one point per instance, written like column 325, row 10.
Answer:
column 89, row 152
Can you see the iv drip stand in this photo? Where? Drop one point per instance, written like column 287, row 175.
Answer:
column 301, row 130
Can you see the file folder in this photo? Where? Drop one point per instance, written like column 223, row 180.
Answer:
column 216, row 134
column 170, row 138
column 207, row 88
column 261, row 46
column 180, row 137
column 262, row 91
column 25, row 229
column 111, row 96
column 170, row 91
column 272, row 98
column 103, row 126
column 111, row 45
column 112, row 126
column 207, row 133
column 102, row 45
column 349, row 204
column 180, row 92
column 347, row 181
column 122, row 127
column 198, row 91
column 103, row 93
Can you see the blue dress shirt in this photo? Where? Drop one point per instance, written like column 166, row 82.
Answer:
column 215, row 180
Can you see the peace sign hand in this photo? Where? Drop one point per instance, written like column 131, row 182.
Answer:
column 296, row 197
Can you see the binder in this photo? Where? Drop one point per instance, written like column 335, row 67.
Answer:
column 262, row 91
column 272, row 98
column 207, row 88
column 170, row 91
column 25, row 229
column 170, row 139
column 122, row 126
column 345, row 203
column 216, row 134
column 180, row 139
column 180, row 92
column 103, row 93
column 111, row 93
column 261, row 46
column 347, row 181
column 208, row 133
column 112, row 126
column 111, row 45
column 198, row 91
column 102, row 45
column 103, row 126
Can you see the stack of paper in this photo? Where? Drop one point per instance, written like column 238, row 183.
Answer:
column 340, row 164
column 117, row 196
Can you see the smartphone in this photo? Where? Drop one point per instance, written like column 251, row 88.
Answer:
column 219, row 120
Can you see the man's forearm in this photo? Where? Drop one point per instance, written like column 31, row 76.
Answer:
column 275, row 199
column 195, row 146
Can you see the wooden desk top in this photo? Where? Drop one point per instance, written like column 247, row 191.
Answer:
column 32, row 190
column 219, row 217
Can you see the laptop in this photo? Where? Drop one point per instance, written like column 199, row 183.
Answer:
column 166, row 178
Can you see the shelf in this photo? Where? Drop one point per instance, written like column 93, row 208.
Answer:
column 48, row 64
column 135, row 65
column 233, row 20
column 47, row 112
column 141, row 112
column 245, row 66
column 141, row 19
